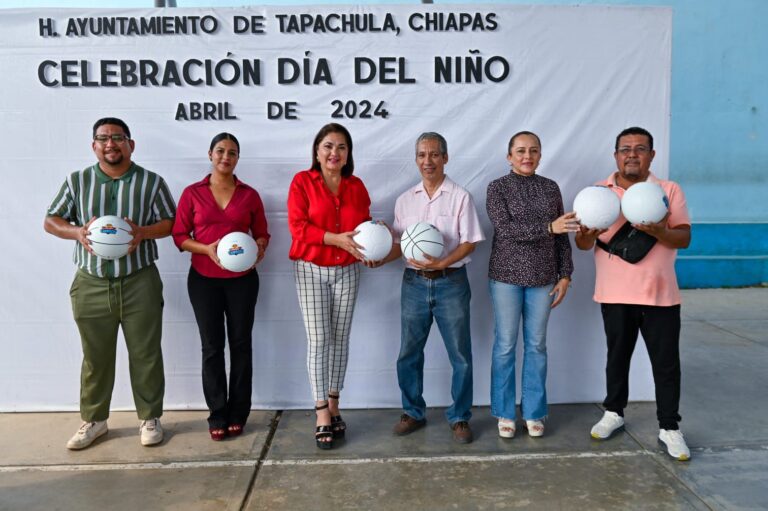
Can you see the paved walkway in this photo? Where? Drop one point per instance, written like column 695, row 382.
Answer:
column 275, row 465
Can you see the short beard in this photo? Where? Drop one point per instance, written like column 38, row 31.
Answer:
column 634, row 177
column 117, row 162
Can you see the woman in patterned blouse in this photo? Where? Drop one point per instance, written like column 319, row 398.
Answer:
column 530, row 270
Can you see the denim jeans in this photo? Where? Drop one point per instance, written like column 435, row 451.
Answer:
column 446, row 300
column 532, row 304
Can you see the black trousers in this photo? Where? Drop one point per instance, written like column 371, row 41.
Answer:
column 660, row 327
column 217, row 302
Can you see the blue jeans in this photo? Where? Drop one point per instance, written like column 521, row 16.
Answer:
column 510, row 303
column 445, row 299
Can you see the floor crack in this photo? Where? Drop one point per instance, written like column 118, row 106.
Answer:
column 262, row 457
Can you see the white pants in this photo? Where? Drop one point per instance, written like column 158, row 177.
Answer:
column 327, row 297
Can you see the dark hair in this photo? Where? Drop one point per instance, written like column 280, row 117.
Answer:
column 431, row 135
column 224, row 136
column 111, row 120
column 635, row 130
column 518, row 134
column 333, row 127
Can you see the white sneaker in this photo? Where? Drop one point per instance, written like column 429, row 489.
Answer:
column 151, row 432
column 88, row 432
column 675, row 444
column 608, row 425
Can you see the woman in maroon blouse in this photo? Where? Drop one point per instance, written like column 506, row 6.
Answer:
column 208, row 210
column 325, row 204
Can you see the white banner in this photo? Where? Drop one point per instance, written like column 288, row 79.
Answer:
column 273, row 76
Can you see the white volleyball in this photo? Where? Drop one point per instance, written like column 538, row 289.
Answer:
column 597, row 207
column 237, row 251
column 375, row 239
column 644, row 203
column 419, row 239
column 110, row 236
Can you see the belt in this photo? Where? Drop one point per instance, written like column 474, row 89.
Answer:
column 434, row 274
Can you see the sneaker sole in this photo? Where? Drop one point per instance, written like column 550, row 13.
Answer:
column 81, row 447
column 598, row 437
column 682, row 457
column 151, row 442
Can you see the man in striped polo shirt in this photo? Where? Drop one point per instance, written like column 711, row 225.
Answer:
column 125, row 292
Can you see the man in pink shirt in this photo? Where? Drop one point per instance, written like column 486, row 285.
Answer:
column 436, row 289
column 641, row 297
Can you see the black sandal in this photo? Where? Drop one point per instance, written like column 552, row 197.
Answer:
column 337, row 423
column 324, row 434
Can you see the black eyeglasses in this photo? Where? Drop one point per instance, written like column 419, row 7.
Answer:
column 639, row 150
column 117, row 138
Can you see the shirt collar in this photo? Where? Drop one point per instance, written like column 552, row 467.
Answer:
column 103, row 178
column 317, row 175
column 207, row 180
column 446, row 186
column 611, row 181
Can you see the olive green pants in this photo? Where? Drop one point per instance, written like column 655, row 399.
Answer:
column 100, row 306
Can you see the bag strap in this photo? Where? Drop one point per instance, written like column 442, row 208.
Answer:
column 620, row 233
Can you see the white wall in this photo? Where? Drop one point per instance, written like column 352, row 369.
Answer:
column 578, row 76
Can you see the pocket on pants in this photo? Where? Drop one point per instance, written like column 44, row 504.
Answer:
column 73, row 289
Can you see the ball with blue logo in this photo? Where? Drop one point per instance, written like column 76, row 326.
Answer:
column 237, row 251
column 110, row 237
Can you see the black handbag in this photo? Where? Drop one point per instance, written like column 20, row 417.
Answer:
column 629, row 243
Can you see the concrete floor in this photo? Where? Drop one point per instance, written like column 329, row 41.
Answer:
column 275, row 465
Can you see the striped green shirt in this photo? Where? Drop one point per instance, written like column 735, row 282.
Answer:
column 138, row 194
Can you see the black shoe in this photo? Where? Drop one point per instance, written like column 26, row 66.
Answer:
column 324, row 433
column 337, row 423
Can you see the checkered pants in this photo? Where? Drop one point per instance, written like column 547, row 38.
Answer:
column 327, row 297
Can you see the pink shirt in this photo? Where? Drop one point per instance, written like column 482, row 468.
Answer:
column 652, row 280
column 451, row 209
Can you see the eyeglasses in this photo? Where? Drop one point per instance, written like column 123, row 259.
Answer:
column 638, row 150
column 117, row 138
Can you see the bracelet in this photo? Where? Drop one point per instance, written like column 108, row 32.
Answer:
column 549, row 228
